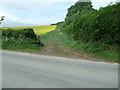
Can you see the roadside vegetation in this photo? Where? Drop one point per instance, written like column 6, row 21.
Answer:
column 85, row 33
column 95, row 31
column 19, row 39
column 66, row 46
column 23, row 38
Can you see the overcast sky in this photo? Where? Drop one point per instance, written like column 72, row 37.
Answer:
column 38, row 12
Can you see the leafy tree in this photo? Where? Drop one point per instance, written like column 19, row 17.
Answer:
column 79, row 6
column 88, row 25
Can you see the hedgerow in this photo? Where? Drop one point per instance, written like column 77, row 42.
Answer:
column 19, row 33
column 20, row 39
column 89, row 25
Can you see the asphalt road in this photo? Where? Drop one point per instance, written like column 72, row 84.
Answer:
column 22, row 70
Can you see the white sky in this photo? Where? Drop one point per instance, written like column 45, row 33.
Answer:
column 39, row 12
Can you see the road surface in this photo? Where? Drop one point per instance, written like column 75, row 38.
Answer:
column 22, row 70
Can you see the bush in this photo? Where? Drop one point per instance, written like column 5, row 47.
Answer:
column 20, row 39
column 20, row 33
column 95, row 26
column 106, row 26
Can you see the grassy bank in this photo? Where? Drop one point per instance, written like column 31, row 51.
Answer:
column 92, row 31
column 56, row 38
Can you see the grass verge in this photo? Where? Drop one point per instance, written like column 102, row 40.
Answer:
column 95, row 50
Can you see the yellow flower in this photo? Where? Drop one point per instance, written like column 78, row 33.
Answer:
column 39, row 30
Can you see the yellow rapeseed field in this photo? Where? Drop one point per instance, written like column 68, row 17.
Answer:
column 39, row 30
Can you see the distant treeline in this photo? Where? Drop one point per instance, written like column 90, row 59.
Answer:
column 57, row 23
column 101, row 26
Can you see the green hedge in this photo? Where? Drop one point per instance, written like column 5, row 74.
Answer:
column 20, row 39
column 20, row 33
column 101, row 26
